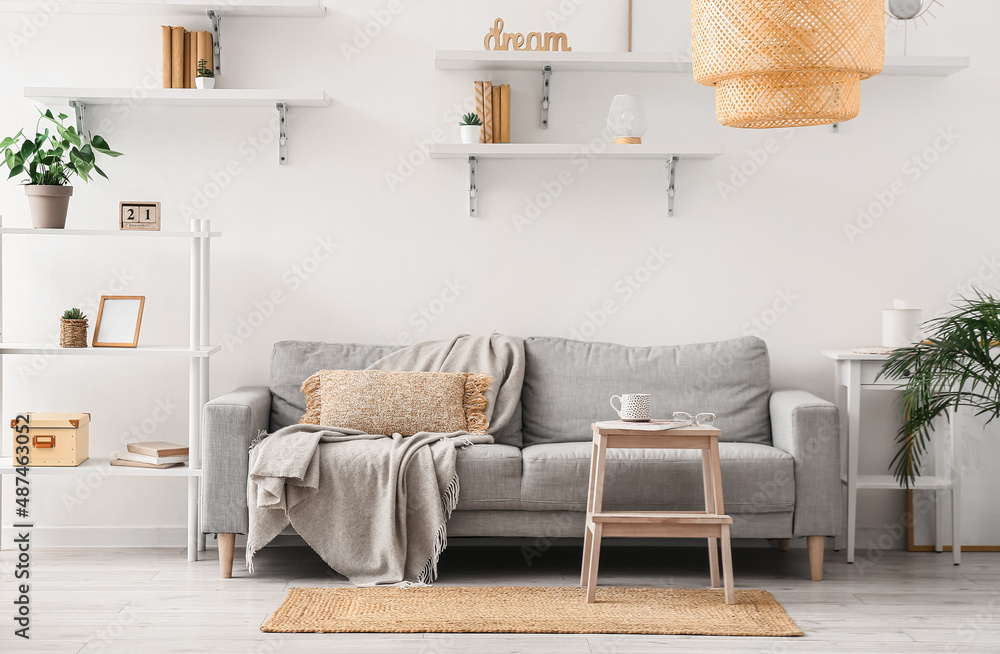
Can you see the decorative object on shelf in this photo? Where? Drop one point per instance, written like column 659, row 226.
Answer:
column 139, row 216
column 535, row 41
column 632, row 407
column 156, row 454
column 659, row 26
column 627, row 119
column 957, row 365
column 183, row 55
column 49, row 160
column 57, row 439
column 470, row 126
column 904, row 12
column 786, row 64
column 900, row 325
column 206, row 77
column 493, row 104
column 73, row 329
column 118, row 321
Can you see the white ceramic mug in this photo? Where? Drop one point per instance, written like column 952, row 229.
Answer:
column 633, row 407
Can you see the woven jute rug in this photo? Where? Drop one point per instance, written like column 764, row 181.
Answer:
column 530, row 611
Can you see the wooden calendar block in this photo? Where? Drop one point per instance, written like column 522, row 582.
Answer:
column 139, row 216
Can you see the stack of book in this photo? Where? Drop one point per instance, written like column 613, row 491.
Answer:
column 182, row 50
column 493, row 107
column 155, row 454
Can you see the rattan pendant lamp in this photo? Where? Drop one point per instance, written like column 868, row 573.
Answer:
column 786, row 63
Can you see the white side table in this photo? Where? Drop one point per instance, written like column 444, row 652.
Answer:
column 856, row 373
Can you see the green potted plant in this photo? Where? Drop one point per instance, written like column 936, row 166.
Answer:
column 956, row 365
column 205, row 78
column 470, row 126
column 49, row 160
column 73, row 329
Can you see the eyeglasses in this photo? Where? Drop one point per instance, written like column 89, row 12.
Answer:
column 702, row 419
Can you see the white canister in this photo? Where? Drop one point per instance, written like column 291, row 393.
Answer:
column 900, row 327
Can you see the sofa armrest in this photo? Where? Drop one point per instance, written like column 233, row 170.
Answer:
column 808, row 428
column 229, row 424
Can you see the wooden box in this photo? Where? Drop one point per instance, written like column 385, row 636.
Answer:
column 57, row 439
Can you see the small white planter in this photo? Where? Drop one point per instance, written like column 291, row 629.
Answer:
column 470, row 133
column 204, row 82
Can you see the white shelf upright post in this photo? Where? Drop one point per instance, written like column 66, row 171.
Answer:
column 194, row 392
column 205, row 339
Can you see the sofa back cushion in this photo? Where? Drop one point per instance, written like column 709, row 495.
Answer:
column 292, row 362
column 567, row 385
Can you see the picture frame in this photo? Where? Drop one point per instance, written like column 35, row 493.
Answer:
column 118, row 321
column 658, row 26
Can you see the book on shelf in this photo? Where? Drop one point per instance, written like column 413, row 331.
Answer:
column 477, row 91
column 488, row 111
column 158, row 449
column 177, row 57
column 146, row 458
column 139, row 464
column 505, row 113
column 497, row 111
column 167, row 55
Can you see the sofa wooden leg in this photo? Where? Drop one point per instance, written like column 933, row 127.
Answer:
column 816, row 544
column 227, row 543
column 781, row 544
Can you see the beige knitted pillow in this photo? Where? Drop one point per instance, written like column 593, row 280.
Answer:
column 389, row 402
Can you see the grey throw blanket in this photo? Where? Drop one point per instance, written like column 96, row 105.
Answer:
column 375, row 507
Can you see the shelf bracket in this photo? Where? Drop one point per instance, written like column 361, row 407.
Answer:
column 671, row 178
column 473, row 192
column 282, row 133
column 81, row 119
column 216, row 18
column 546, row 79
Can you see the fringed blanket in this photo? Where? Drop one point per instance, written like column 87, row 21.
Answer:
column 374, row 507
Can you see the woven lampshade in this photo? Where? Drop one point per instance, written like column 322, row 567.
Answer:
column 786, row 63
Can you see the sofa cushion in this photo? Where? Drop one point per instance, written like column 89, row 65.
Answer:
column 567, row 385
column 489, row 477
column 755, row 478
column 292, row 362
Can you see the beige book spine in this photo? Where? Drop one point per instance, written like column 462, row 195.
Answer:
column 477, row 88
column 177, row 57
column 488, row 112
column 505, row 113
column 205, row 50
column 167, row 54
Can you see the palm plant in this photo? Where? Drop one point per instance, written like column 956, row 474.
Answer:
column 958, row 365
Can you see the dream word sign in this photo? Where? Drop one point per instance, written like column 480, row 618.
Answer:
column 535, row 41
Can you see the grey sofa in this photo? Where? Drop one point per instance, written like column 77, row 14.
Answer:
column 780, row 452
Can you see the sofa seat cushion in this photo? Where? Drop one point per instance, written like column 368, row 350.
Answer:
column 567, row 385
column 489, row 477
column 755, row 478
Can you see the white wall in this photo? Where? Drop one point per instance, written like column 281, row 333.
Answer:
column 732, row 255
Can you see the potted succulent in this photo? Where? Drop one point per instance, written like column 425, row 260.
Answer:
column 49, row 160
column 73, row 329
column 470, row 125
column 205, row 78
column 956, row 365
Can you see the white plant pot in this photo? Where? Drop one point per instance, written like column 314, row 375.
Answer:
column 204, row 82
column 470, row 133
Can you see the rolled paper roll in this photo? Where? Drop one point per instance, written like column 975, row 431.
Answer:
column 900, row 327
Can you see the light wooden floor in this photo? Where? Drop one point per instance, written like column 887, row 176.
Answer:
column 139, row 601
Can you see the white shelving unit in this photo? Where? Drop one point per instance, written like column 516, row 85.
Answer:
column 197, row 351
column 259, row 8
column 79, row 98
column 473, row 153
column 640, row 62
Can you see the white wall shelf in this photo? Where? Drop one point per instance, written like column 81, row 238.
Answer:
column 472, row 153
column 51, row 349
column 262, row 8
column 102, row 466
column 116, row 233
column 79, row 98
column 198, row 353
column 639, row 62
